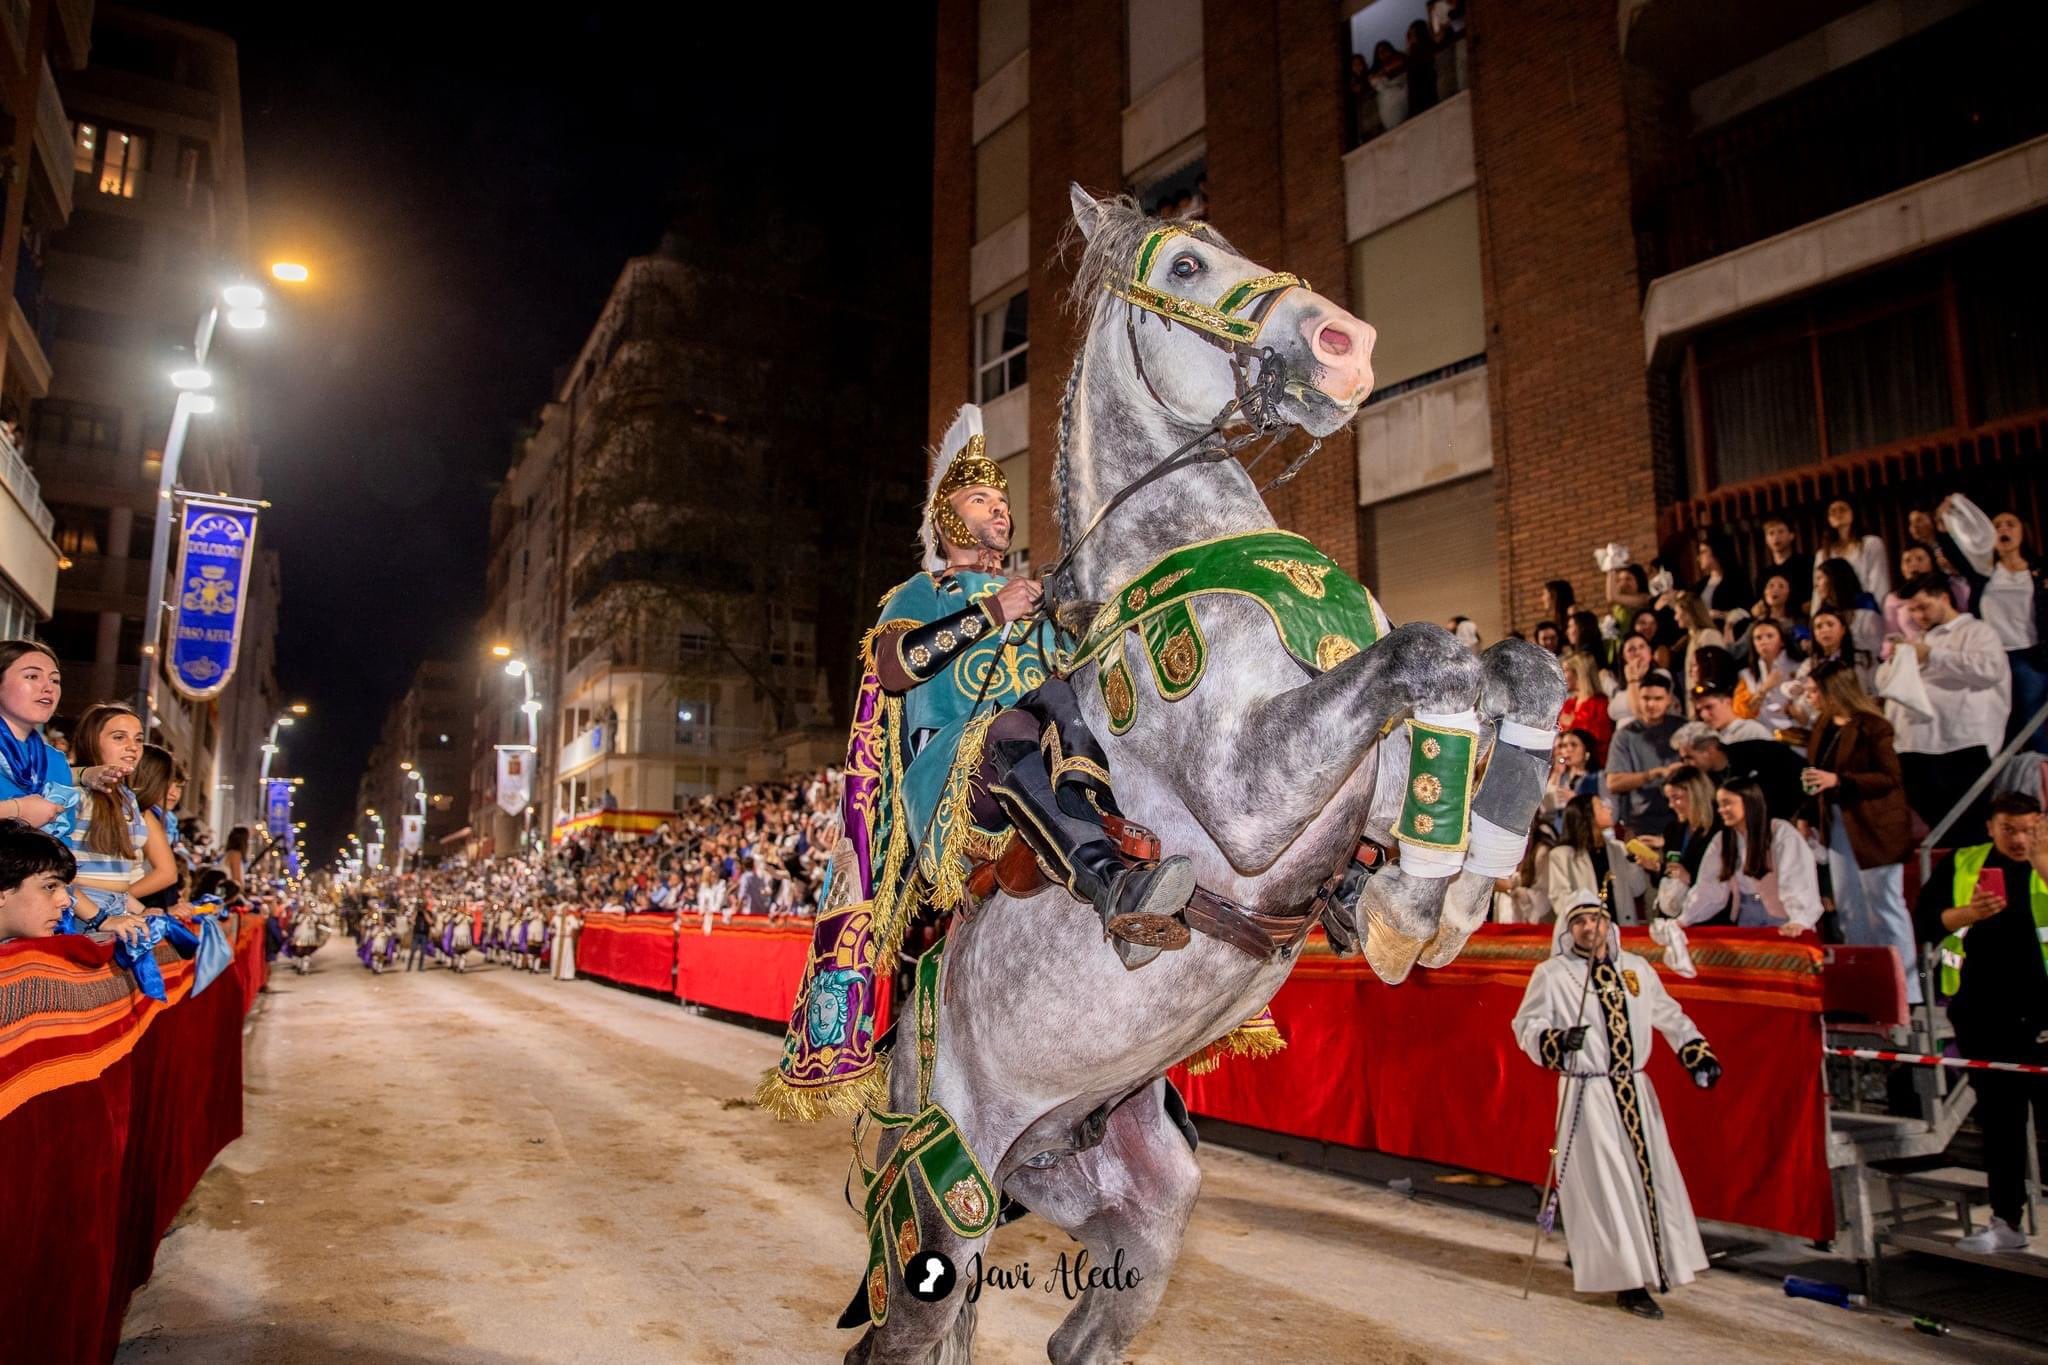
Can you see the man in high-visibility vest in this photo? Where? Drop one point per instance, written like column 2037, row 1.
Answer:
column 1994, row 968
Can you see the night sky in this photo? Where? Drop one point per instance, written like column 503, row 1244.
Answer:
column 465, row 194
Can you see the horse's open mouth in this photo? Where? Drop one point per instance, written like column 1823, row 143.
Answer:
column 1314, row 411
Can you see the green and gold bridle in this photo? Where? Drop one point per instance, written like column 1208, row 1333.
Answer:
column 1220, row 321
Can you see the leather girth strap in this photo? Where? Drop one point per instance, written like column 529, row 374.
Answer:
column 1255, row 933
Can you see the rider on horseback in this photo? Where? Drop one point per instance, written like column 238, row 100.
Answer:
column 992, row 738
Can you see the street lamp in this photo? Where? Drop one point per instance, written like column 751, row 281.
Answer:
column 297, row 709
column 531, row 708
column 244, row 302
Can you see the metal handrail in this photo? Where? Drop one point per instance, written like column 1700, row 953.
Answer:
column 1997, row 765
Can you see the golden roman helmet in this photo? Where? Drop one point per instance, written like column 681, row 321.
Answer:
column 960, row 461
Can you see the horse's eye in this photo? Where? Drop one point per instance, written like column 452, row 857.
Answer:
column 1186, row 267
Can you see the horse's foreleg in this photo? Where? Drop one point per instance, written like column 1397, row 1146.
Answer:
column 1278, row 764
column 1524, row 690
column 1127, row 1200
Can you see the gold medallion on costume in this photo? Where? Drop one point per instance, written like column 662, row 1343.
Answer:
column 1635, row 987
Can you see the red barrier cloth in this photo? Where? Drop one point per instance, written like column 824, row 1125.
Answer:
column 633, row 950
column 1428, row 1069
column 749, row 966
column 111, row 1107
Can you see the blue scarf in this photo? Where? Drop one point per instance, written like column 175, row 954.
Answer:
column 27, row 760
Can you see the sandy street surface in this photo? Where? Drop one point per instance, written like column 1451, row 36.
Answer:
column 496, row 1167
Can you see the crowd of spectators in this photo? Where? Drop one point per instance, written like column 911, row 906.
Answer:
column 1766, row 744
column 109, row 798
column 759, row 851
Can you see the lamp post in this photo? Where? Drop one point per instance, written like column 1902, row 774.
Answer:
column 270, row 744
column 518, row 668
column 420, row 853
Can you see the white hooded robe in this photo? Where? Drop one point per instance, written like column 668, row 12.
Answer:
column 1607, row 1209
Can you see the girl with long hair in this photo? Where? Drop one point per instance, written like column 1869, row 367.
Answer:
column 1865, row 554
column 1722, row 586
column 1574, row 771
column 1860, row 807
column 151, row 782
column 1773, row 664
column 1915, row 559
column 1585, row 705
column 1761, row 873
column 1587, row 858
column 2010, row 594
column 1836, row 585
column 107, row 836
column 31, row 686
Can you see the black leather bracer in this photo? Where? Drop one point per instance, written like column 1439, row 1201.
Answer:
column 925, row 651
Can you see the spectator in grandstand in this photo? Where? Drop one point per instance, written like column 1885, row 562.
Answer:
column 1587, row 857
column 1859, row 810
column 35, row 881
column 1864, row 554
column 1713, row 705
column 2011, row 596
column 1761, row 871
column 1986, row 906
column 1641, row 757
column 1914, row 560
column 1783, row 556
column 1723, row 587
column 1962, row 663
column 1636, row 659
column 1585, row 705
column 1773, row 663
column 1547, row 636
column 1574, row 771
column 1837, row 588
column 1773, row 766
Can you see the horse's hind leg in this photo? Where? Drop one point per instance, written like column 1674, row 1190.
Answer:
column 1518, row 707
column 1127, row 1200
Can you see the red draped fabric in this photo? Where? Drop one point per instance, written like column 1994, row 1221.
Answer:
column 1429, row 1069
column 633, row 950
column 748, row 967
column 111, row 1108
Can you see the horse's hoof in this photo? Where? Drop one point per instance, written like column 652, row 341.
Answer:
column 1443, row 950
column 1392, row 954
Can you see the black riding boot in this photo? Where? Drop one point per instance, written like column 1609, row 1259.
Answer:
column 1139, row 900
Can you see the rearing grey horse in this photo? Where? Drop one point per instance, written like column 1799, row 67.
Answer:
column 1050, row 1054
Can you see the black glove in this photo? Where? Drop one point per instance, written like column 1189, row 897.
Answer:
column 1699, row 1059
column 1574, row 1038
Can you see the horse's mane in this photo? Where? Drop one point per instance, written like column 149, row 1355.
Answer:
column 1120, row 228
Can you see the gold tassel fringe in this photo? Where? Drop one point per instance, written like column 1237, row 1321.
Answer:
column 806, row 1104
column 1258, row 1036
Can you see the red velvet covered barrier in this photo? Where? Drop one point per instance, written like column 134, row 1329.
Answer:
column 1429, row 1069
column 748, row 966
column 111, row 1107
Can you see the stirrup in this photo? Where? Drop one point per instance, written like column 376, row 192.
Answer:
column 1155, row 922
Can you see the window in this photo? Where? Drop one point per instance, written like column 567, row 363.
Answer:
column 122, row 163
column 1001, row 342
column 85, row 147
column 1406, row 57
column 1004, row 31
column 1002, row 176
column 693, row 722
column 1419, row 282
column 1163, row 36
column 83, row 530
column 85, row 426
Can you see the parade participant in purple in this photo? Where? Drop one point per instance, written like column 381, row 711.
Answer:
column 1588, row 1014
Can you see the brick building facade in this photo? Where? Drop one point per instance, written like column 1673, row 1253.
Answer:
column 1629, row 277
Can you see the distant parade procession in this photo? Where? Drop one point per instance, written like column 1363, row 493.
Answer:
column 1131, row 683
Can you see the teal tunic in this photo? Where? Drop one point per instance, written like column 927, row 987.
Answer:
column 1000, row 668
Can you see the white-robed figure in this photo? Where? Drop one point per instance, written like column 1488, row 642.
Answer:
column 1588, row 1014
column 564, row 927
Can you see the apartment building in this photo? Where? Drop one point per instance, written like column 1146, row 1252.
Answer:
column 37, row 39
column 1636, row 269
column 159, row 223
column 427, row 731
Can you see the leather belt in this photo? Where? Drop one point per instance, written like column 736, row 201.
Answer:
column 1256, row 933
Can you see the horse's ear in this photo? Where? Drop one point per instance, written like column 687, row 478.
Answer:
column 1087, row 213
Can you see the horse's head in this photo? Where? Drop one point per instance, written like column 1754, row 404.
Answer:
column 1229, row 318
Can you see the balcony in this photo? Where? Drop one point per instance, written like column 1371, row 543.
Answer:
column 53, row 142
column 30, row 322
column 1389, row 84
column 1863, row 131
column 21, row 481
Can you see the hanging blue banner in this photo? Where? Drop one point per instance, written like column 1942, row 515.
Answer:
column 216, row 543
column 277, row 808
